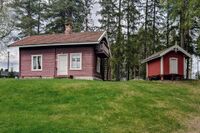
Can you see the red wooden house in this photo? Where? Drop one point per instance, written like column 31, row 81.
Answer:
column 167, row 64
column 82, row 55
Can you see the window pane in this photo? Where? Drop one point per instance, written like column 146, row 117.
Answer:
column 76, row 61
column 34, row 63
column 78, row 65
column 39, row 62
column 73, row 64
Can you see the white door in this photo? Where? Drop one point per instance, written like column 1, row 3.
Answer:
column 173, row 68
column 62, row 65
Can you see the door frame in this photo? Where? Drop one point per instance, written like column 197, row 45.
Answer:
column 58, row 64
column 170, row 71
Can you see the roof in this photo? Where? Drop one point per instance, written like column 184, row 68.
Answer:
column 60, row 39
column 165, row 51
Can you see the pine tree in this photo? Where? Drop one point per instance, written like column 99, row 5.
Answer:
column 119, row 40
column 88, row 4
column 60, row 12
column 131, row 15
column 108, row 22
column 145, row 27
column 108, row 17
column 120, row 17
column 26, row 12
column 186, row 13
column 6, row 20
column 1, row 5
column 40, row 5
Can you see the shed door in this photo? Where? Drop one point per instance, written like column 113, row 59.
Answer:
column 62, row 65
column 173, row 65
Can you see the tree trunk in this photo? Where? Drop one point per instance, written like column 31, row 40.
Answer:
column 187, row 69
column 118, row 41
column 187, row 34
column 39, row 16
column 1, row 5
column 117, row 72
column 154, row 25
column 86, row 16
column 29, row 15
column 167, row 23
column 145, row 39
column 128, row 40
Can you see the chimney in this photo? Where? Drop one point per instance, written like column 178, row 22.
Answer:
column 68, row 28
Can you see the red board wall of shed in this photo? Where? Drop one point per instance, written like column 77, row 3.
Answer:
column 154, row 67
column 166, row 59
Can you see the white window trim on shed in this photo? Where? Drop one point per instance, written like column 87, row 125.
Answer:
column 32, row 67
column 80, row 56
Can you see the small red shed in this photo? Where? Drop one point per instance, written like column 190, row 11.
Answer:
column 170, row 63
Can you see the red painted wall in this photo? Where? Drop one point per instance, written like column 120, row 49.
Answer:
column 154, row 67
column 180, row 57
column 49, row 61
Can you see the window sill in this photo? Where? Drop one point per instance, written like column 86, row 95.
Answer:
column 36, row 70
column 74, row 69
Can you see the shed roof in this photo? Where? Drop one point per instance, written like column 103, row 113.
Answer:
column 60, row 39
column 165, row 51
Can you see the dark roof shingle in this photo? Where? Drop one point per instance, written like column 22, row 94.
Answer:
column 81, row 37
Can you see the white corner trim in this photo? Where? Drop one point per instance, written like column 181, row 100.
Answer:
column 71, row 54
column 184, row 67
column 161, row 65
column 32, row 63
column 57, row 44
column 104, row 34
column 147, row 71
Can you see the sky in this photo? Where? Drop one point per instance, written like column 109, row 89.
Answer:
column 14, row 52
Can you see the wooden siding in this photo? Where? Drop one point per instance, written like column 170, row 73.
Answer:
column 50, row 61
column 179, row 56
column 154, row 67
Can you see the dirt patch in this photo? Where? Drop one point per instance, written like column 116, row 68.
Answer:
column 194, row 125
column 175, row 115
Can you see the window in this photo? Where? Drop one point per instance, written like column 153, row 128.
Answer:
column 75, row 61
column 98, row 67
column 36, row 62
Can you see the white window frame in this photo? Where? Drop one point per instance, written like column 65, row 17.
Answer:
column 173, row 58
column 32, row 56
column 98, row 66
column 71, row 54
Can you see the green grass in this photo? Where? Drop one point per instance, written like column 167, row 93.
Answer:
column 59, row 105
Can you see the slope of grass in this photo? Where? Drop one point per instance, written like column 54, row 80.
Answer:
column 59, row 105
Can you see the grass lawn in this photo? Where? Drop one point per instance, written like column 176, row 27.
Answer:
column 60, row 105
